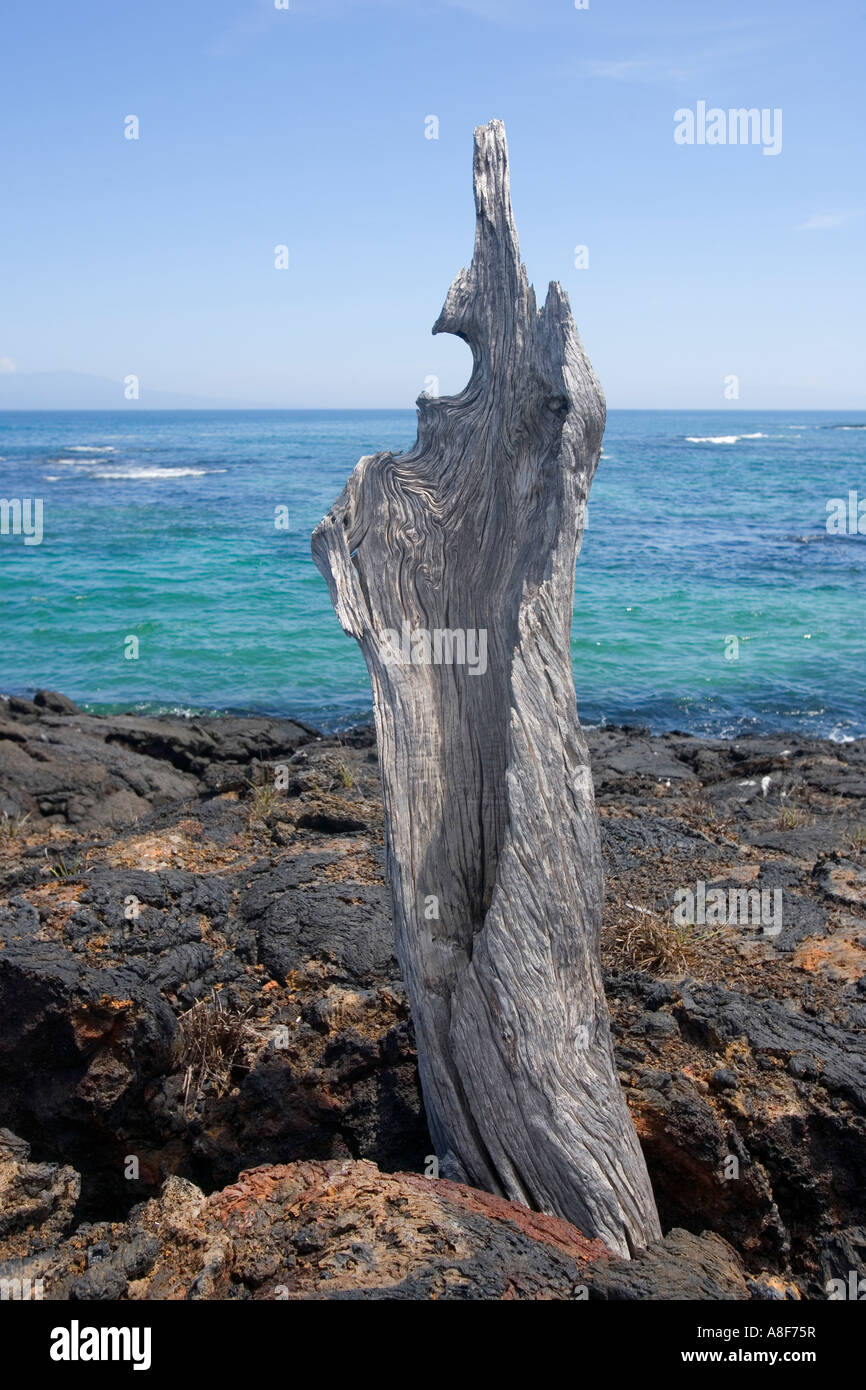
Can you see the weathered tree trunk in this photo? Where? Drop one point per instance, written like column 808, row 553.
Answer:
column 493, row 844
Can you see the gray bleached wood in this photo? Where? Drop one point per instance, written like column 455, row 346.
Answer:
column 493, row 844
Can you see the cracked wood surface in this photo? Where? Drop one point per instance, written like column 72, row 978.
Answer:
column 492, row 832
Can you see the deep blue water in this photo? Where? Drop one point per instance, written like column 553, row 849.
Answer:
column 702, row 527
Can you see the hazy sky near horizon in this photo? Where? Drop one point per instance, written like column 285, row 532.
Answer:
column 305, row 127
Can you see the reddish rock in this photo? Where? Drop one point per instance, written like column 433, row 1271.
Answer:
column 343, row 1230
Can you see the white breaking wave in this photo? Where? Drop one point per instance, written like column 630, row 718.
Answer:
column 142, row 474
column 721, row 438
column 91, row 449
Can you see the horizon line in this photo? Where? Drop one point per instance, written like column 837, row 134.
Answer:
column 402, row 409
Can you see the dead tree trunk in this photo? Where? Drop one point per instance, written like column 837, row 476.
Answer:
column 453, row 566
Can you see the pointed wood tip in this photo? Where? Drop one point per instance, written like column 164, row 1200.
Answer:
column 491, row 141
column 492, row 182
column 479, row 298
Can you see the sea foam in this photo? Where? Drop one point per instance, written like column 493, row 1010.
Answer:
column 144, row 474
column 721, row 438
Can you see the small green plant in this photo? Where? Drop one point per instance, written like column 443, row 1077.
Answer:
column 344, row 776
column 858, row 838
column 67, row 869
column 792, row 817
column 264, row 801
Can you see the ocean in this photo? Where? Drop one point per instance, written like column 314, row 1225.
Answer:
column 711, row 596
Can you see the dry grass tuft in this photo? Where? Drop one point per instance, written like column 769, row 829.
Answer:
column 643, row 939
column 212, row 1044
column 12, row 827
column 792, row 817
column 263, row 803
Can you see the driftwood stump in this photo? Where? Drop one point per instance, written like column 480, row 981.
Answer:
column 453, row 566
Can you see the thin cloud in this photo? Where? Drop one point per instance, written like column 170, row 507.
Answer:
column 246, row 29
column 7, row 365
column 636, row 70
column 691, row 64
column 503, row 12
column 827, row 221
column 499, row 11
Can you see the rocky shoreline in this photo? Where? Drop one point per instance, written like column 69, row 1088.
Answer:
column 208, row 1084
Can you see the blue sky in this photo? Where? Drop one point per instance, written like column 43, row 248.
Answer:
column 306, row 127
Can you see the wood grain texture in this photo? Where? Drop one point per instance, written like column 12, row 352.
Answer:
column 490, row 814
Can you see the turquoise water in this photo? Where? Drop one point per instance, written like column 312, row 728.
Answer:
column 702, row 527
